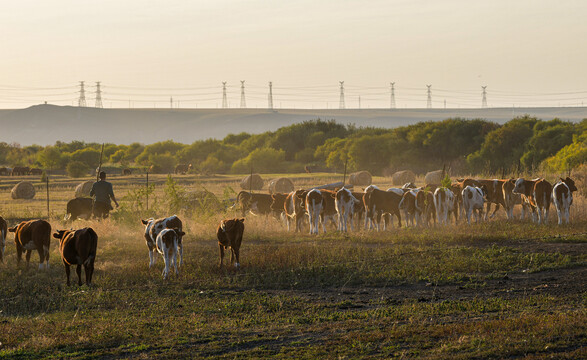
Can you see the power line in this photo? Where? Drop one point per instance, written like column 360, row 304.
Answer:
column 98, row 96
column 82, row 95
column 429, row 98
column 243, row 101
column 341, row 100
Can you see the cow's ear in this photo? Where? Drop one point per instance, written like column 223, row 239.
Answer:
column 180, row 233
column 145, row 222
column 273, row 196
column 241, row 220
column 12, row 229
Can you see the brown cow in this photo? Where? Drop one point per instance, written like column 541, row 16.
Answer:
column 510, row 200
column 3, row 232
column 35, row 171
column 126, row 171
column 79, row 207
column 295, row 208
column 78, row 247
column 278, row 205
column 5, row 171
column 378, row 202
column 230, row 235
column 32, row 235
column 183, row 168
column 538, row 193
column 257, row 204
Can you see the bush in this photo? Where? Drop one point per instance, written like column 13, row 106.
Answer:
column 77, row 169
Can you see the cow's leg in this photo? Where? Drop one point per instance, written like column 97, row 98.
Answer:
column 235, row 254
column 78, row 270
column 174, row 259
column 28, row 258
column 151, row 257
column 494, row 211
column 180, row 249
column 89, row 269
column 18, row 254
column 67, row 272
column 221, row 248
column 322, row 219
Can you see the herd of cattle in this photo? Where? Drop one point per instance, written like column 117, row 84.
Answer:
column 420, row 205
column 19, row 171
column 78, row 247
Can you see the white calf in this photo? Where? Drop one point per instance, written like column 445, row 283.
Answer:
column 314, row 207
column 562, row 195
column 167, row 246
column 473, row 199
column 345, row 203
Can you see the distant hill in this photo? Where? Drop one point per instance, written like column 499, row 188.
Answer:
column 46, row 124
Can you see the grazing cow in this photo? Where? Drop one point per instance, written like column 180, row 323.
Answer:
column 314, row 206
column 35, row 171
column 295, row 208
column 79, row 207
column 154, row 227
column 3, row 232
column 538, row 193
column 457, row 188
column 474, row 199
column 329, row 209
column 126, row 171
column 33, row 235
column 368, row 213
column 20, row 170
column 412, row 204
column 183, row 168
column 345, row 204
column 78, row 247
column 444, row 201
column 230, row 235
column 168, row 245
column 494, row 195
column 426, row 203
column 378, row 202
column 562, row 195
column 359, row 207
column 257, row 204
column 5, row 171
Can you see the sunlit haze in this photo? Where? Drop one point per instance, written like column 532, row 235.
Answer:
column 146, row 53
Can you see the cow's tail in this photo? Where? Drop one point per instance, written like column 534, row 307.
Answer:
column 94, row 240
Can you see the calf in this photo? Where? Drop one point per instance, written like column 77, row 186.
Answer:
column 3, row 231
column 154, row 227
column 510, row 200
column 345, row 203
column 33, row 235
column 257, row 204
column 426, row 203
column 230, row 235
column 314, row 206
column 409, row 205
column 78, row 247
column 295, row 208
column 183, row 168
column 378, row 202
column 329, row 209
column 444, row 201
column 562, row 195
column 538, row 193
column 79, row 207
column 167, row 245
column 474, row 199
column 278, row 205
column 494, row 195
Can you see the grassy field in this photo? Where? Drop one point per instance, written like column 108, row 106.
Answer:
column 497, row 289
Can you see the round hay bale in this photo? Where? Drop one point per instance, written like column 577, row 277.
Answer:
column 360, row 178
column 434, row 177
column 403, row 177
column 281, row 185
column 255, row 184
column 83, row 189
column 23, row 190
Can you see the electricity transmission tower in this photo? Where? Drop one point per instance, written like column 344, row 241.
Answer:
column 392, row 100
column 224, row 100
column 243, row 102
column 270, row 97
column 484, row 100
column 98, row 96
column 82, row 95
column 341, row 101
column 429, row 100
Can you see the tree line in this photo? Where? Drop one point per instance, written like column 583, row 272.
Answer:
column 466, row 146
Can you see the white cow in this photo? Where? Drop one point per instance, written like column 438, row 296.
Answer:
column 474, row 199
column 167, row 246
column 314, row 207
column 444, row 201
column 345, row 203
column 562, row 195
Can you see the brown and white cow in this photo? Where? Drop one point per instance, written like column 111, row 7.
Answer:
column 538, row 193
column 494, row 194
column 295, row 208
column 154, row 227
column 256, row 204
column 329, row 212
column 168, row 245
column 445, row 204
column 230, row 235
column 409, row 205
column 78, row 247
column 314, row 206
column 510, row 199
column 33, row 235
column 426, row 203
column 562, row 196
column 183, row 168
column 378, row 202
column 345, row 205
column 3, row 232
column 278, row 205
column 473, row 201
column 35, row 171
column 358, row 208
column 457, row 188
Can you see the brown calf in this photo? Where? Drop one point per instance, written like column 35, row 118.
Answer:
column 78, row 247
column 378, row 202
column 230, row 235
column 32, row 235
column 126, row 171
column 538, row 193
column 257, row 204
column 183, row 168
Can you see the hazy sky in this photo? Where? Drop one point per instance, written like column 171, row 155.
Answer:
column 527, row 52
